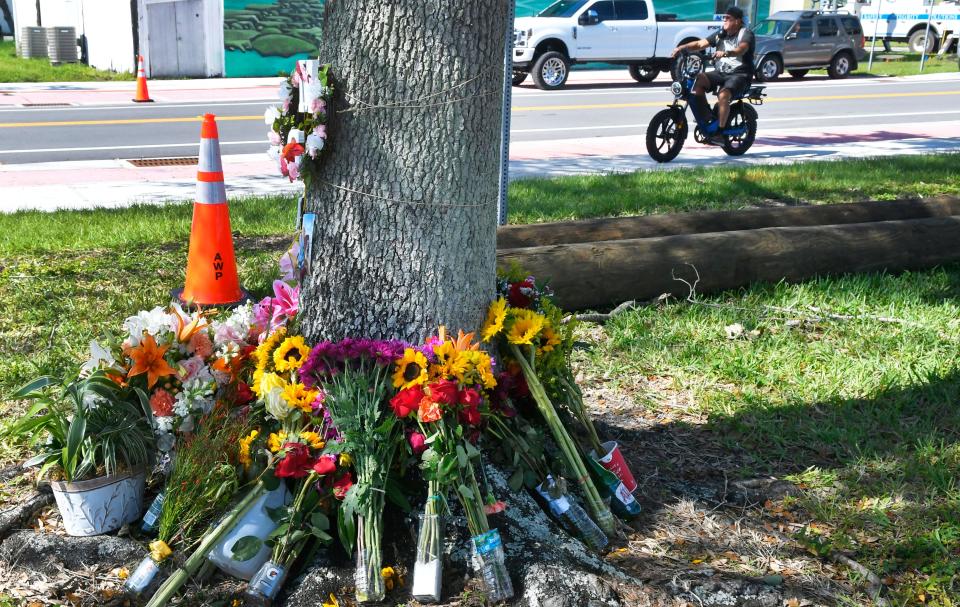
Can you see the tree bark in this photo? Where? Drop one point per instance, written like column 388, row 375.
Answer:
column 406, row 196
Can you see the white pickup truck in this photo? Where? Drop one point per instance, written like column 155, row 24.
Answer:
column 906, row 21
column 623, row 32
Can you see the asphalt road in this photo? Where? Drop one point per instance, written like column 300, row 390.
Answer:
column 582, row 110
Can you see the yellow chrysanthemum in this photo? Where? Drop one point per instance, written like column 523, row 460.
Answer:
column 525, row 327
column 257, row 378
column 459, row 366
column 262, row 354
column 496, row 314
column 444, row 352
column 276, row 441
column 300, row 397
column 548, row 338
column 411, row 369
column 291, row 354
column 313, row 439
column 345, row 460
column 245, row 443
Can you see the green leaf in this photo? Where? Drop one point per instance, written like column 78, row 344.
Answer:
column 321, row 535
column 347, row 530
column 26, row 391
column 71, row 451
column 279, row 531
column 278, row 514
column 472, row 452
column 395, row 494
column 270, row 480
column 462, row 457
column 246, row 548
column 465, row 492
column 516, row 480
column 319, row 520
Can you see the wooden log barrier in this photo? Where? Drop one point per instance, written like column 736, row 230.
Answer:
column 623, row 228
column 598, row 274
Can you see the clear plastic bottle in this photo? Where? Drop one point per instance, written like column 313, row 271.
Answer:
column 265, row 584
column 577, row 522
column 152, row 517
column 489, row 562
column 141, row 577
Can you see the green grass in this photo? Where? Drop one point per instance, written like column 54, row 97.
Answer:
column 531, row 201
column 909, row 65
column 15, row 69
column 860, row 413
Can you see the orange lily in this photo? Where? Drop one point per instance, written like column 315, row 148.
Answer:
column 148, row 358
column 186, row 330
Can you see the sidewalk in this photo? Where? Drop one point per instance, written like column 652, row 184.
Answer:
column 161, row 91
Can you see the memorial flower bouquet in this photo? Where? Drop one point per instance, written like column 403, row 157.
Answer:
column 355, row 378
column 298, row 126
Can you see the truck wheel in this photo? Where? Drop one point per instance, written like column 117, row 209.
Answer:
column 798, row 74
column 665, row 135
column 918, row 40
column 769, row 69
column 550, row 71
column 840, row 65
column 518, row 77
column 643, row 73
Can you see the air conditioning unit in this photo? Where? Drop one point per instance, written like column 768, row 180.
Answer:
column 62, row 44
column 33, row 42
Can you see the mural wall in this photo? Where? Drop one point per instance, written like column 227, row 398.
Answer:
column 266, row 37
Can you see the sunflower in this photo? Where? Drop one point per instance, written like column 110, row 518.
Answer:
column 291, row 354
column 245, row 443
column 312, row 439
column 299, row 397
column 262, row 353
column 411, row 369
column 525, row 327
column 276, row 441
column 495, row 317
column 445, row 352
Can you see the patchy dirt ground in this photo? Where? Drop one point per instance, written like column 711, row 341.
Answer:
column 708, row 534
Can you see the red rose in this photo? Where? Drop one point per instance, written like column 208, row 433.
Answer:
column 518, row 297
column 444, row 392
column 341, row 486
column 418, row 442
column 244, row 394
column 325, row 464
column 469, row 415
column 469, row 397
column 407, row 401
column 295, row 463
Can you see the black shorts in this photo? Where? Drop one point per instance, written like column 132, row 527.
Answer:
column 734, row 82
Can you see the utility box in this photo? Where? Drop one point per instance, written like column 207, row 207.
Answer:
column 32, row 43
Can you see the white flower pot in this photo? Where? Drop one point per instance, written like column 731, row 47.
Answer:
column 256, row 522
column 100, row 505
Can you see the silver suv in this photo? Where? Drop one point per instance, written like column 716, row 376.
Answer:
column 799, row 41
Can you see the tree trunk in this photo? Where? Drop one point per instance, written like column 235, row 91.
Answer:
column 406, row 197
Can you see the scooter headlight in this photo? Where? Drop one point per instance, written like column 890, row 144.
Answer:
column 677, row 89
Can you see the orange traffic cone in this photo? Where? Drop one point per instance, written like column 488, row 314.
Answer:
column 211, row 266
column 142, row 95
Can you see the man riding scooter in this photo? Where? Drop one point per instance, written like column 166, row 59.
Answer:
column 734, row 62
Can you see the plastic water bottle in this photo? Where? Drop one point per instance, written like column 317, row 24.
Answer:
column 576, row 520
column 152, row 517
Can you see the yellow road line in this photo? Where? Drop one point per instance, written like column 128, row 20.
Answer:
column 521, row 108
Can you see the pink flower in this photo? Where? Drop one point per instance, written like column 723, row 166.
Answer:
column 318, row 106
column 274, row 138
column 262, row 312
column 293, row 171
column 295, row 79
column 286, row 105
column 161, row 403
column 201, row 345
column 189, row 368
column 288, row 263
column 418, row 442
column 284, row 167
column 320, row 131
column 286, row 302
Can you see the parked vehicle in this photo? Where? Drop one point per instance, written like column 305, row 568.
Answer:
column 668, row 129
column 622, row 32
column 906, row 21
column 799, row 41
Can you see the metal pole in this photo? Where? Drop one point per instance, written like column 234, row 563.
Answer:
column 926, row 37
column 873, row 45
column 505, row 118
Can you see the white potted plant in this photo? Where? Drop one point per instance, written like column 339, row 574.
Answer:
column 95, row 442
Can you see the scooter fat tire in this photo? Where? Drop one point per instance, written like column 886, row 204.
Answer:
column 666, row 134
